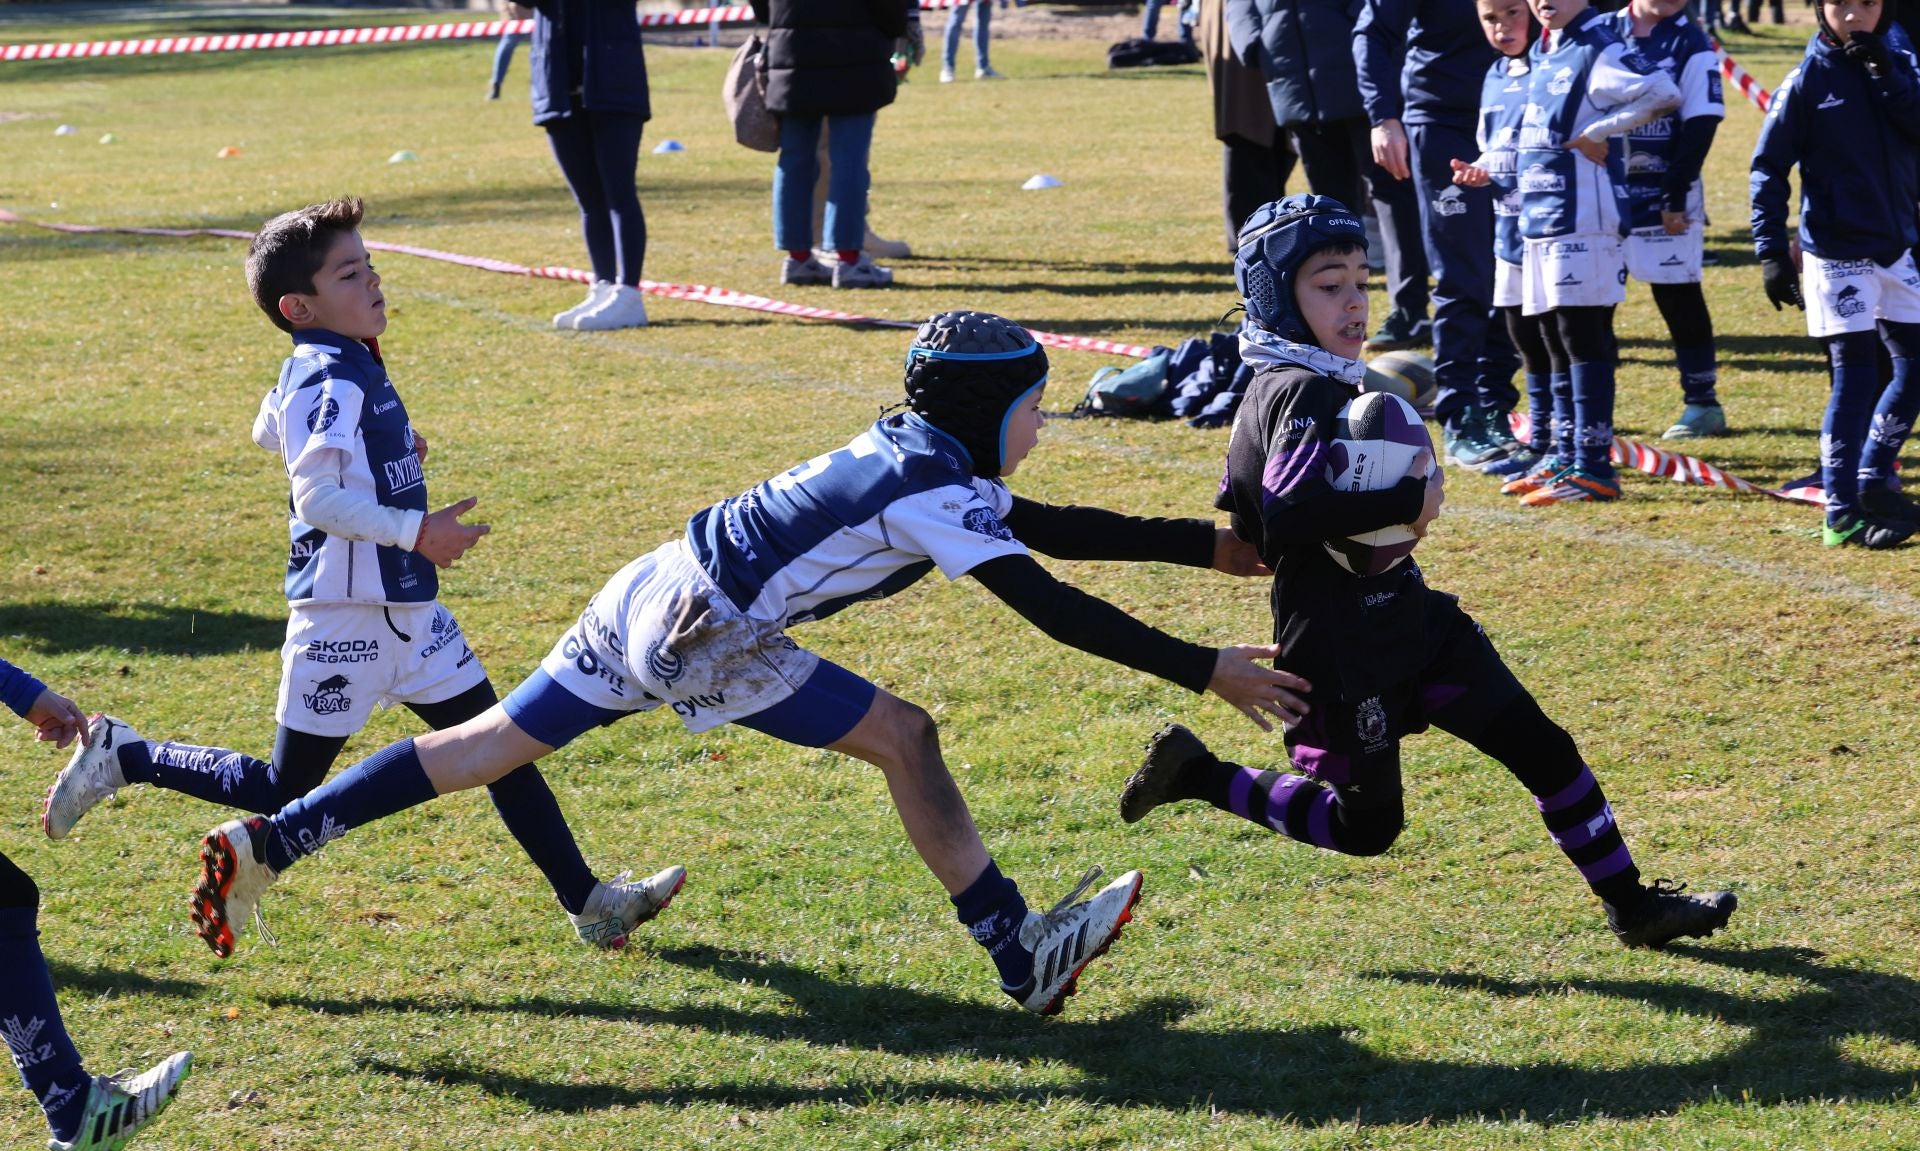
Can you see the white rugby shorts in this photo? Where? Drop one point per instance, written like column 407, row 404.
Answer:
column 1849, row 295
column 660, row 631
column 341, row 659
column 1578, row 271
column 1653, row 257
column 1508, row 283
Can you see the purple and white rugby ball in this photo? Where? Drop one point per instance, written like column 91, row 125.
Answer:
column 1376, row 438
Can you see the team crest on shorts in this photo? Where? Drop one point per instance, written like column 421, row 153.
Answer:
column 982, row 521
column 1847, row 302
column 329, row 696
column 1370, row 724
column 663, row 663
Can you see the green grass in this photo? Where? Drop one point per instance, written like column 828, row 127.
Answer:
column 1745, row 696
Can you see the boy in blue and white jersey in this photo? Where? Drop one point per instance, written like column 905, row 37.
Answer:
column 1849, row 118
column 699, row 626
column 1586, row 87
column 1666, row 205
column 365, row 625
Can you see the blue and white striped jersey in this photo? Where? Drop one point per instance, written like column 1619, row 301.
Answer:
column 1582, row 75
column 860, row 523
column 333, row 393
column 1503, row 102
column 1679, row 48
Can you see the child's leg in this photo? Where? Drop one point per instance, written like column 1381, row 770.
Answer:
column 525, row 803
column 1849, row 415
column 1684, row 308
column 1587, row 335
column 1898, row 406
column 49, row 1064
column 1537, row 364
column 234, row 778
column 1560, row 384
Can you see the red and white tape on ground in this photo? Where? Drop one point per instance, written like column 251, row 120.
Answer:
column 1683, row 469
column 698, row 293
column 732, row 14
column 1741, row 79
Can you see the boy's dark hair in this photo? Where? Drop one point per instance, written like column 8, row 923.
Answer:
column 291, row 247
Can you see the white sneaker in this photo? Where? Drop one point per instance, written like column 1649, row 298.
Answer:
column 1069, row 937
column 93, row 774
column 807, row 271
column 620, row 307
column 118, row 1107
column 233, row 875
column 883, row 249
column 946, row 75
column 862, row 273
column 618, row 907
column 987, row 73
column 596, row 295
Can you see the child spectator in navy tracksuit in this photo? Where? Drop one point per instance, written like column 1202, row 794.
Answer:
column 1420, row 64
column 1666, row 206
column 1585, row 86
column 1385, row 655
column 1849, row 118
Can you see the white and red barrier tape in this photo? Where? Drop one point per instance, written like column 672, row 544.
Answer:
column 1682, row 469
column 392, row 34
column 698, row 293
column 1741, row 79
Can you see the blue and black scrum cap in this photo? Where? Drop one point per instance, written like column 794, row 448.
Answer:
column 1274, row 242
column 966, row 373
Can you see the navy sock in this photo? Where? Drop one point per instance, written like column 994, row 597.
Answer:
column 387, row 781
column 1540, row 412
column 1593, row 415
column 49, row 1064
column 993, row 910
column 1843, row 429
column 214, row 774
column 528, row 808
column 1561, row 385
column 1891, row 421
column 1699, row 374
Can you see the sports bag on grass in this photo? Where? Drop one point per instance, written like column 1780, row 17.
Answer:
column 745, row 96
column 1138, row 391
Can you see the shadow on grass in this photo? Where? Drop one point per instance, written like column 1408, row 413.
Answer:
column 1316, row 1075
column 106, row 981
column 159, row 629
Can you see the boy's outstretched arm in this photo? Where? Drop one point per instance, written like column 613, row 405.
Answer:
column 1073, row 532
column 54, row 715
column 1071, row 616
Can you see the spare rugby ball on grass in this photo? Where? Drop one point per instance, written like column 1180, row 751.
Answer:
column 1408, row 375
column 1376, row 438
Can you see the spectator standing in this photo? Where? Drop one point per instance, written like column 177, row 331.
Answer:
column 590, row 94
column 1304, row 49
column 1421, row 64
column 1150, row 23
column 1255, row 157
column 829, row 68
column 950, row 51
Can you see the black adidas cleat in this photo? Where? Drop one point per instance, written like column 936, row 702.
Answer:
column 1169, row 752
column 1665, row 913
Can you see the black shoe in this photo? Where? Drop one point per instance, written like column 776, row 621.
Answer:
column 1867, row 531
column 1169, row 752
column 1886, row 504
column 1399, row 330
column 1665, row 913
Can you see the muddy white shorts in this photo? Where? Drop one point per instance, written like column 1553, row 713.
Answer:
column 1581, row 271
column 1849, row 295
column 340, row 660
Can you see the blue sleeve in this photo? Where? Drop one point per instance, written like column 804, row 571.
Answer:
column 1690, row 147
column 1900, row 95
column 1774, row 156
column 18, row 690
column 1243, row 31
column 1380, row 55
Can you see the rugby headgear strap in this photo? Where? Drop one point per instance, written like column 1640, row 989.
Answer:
column 1274, row 242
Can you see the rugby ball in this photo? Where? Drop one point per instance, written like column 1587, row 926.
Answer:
column 1408, row 375
column 1376, row 438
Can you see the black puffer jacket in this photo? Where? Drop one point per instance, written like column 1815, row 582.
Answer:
column 830, row 57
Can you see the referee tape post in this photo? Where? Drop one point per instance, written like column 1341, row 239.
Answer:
column 731, row 15
column 1740, row 78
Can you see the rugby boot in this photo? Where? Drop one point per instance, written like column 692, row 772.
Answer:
column 1574, row 486
column 119, row 1106
column 1401, row 329
column 1885, row 503
column 1466, row 444
column 92, row 775
column 1072, row 935
column 1698, row 421
column 1666, row 912
column 233, row 875
column 1862, row 530
column 616, row 908
column 1533, row 479
column 1515, row 457
column 1169, row 752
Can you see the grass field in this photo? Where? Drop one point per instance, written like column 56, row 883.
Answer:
column 1745, row 695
